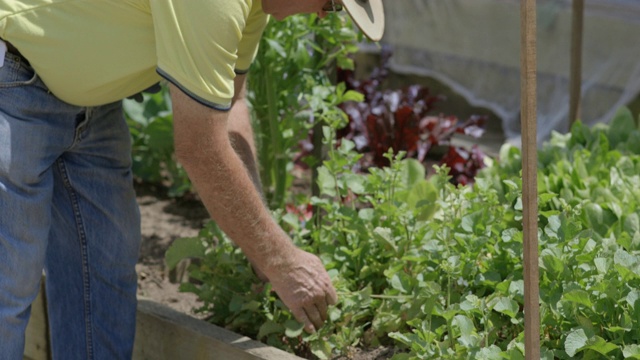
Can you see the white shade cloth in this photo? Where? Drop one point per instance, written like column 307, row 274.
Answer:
column 473, row 46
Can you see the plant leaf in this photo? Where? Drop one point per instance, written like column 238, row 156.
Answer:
column 293, row 328
column 506, row 306
column 384, row 236
column 621, row 126
column 631, row 351
column 268, row 328
column 575, row 342
column 601, row 345
column 326, row 182
column 184, row 248
column 578, row 296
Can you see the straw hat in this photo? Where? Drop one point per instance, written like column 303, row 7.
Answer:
column 368, row 15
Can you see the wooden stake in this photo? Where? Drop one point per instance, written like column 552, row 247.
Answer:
column 575, row 76
column 528, row 105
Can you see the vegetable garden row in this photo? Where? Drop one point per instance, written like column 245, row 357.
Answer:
column 436, row 270
column 427, row 267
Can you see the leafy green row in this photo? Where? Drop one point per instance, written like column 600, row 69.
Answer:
column 435, row 270
column 589, row 236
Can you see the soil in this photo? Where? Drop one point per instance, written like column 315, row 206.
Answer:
column 166, row 219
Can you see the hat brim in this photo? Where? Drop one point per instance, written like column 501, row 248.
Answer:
column 368, row 16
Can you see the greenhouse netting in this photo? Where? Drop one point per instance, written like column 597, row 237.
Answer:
column 473, row 46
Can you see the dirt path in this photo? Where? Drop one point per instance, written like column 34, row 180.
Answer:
column 163, row 221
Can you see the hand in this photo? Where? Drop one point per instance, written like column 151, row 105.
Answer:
column 305, row 288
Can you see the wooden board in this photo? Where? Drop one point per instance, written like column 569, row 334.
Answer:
column 164, row 333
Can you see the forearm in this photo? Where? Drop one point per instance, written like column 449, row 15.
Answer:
column 237, row 207
column 220, row 174
column 242, row 140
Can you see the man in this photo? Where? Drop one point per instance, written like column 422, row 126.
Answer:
column 66, row 199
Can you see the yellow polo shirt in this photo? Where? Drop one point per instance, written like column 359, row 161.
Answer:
column 93, row 52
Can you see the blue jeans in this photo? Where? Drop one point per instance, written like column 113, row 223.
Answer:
column 67, row 206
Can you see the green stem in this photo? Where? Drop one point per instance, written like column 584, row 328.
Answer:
column 275, row 140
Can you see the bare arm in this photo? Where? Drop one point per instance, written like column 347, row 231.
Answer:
column 203, row 146
column 241, row 132
column 243, row 141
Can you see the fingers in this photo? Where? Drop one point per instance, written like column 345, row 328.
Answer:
column 318, row 311
column 302, row 318
column 321, row 309
column 307, row 290
column 313, row 314
column 331, row 295
column 330, row 298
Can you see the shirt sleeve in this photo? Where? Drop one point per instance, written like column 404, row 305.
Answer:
column 200, row 43
column 251, row 36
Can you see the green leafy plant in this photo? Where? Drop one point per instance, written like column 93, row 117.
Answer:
column 435, row 271
column 590, row 238
column 293, row 61
column 150, row 122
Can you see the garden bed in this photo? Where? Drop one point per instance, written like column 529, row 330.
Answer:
column 163, row 333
